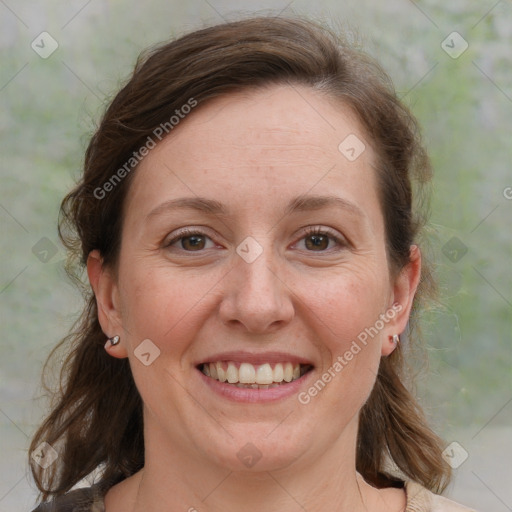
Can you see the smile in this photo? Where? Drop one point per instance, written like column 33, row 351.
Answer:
column 247, row 375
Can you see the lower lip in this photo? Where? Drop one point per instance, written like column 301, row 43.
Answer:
column 248, row 395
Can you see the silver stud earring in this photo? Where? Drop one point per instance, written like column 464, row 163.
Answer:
column 114, row 340
column 396, row 339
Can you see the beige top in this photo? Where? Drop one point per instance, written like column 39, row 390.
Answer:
column 90, row 499
column 420, row 499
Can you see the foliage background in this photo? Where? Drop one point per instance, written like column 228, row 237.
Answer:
column 48, row 111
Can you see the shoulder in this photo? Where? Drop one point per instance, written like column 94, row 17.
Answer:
column 420, row 499
column 89, row 499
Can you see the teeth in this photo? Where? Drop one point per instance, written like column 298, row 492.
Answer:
column 232, row 373
column 288, row 372
column 247, row 375
column 278, row 373
column 264, row 375
column 221, row 374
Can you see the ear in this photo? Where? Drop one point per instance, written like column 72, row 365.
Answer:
column 106, row 292
column 404, row 289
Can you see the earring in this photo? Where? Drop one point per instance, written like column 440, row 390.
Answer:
column 396, row 339
column 114, row 340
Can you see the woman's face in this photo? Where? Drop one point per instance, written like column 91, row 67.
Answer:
column 253, row 250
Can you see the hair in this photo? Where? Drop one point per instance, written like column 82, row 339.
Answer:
column 96, row 420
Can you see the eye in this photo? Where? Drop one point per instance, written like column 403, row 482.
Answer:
column 190, row 241
column 315, row 239
column 318, row 239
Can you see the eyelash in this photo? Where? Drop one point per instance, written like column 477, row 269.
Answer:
column 309, row 231
column 318, row 231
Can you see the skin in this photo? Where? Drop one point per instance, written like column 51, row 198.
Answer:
column 254, row 152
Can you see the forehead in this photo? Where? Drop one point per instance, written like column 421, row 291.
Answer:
column 261, row 144
column 265, row 123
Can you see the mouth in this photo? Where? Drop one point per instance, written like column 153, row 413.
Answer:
column 254, row 376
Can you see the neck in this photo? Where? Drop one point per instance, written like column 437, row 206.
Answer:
column 174, row 479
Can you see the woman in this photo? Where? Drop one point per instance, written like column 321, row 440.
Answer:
column 246, row 220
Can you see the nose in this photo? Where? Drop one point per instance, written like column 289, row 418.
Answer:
column 256, row 296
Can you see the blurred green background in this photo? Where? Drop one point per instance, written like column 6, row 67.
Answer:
column 49, row 107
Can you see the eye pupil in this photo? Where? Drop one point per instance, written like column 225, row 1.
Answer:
column 318, row 241
column 192, row 242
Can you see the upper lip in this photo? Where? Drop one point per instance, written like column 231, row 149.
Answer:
column 255, row 358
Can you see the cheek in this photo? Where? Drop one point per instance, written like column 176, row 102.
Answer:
column 345, row 310
column 345, row 303
column 160, row 304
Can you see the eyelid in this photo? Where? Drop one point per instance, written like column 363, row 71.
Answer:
column 185, row 232
column 340, row 240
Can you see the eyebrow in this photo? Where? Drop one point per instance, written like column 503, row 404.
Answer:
column 298, row 204
column 311, row 203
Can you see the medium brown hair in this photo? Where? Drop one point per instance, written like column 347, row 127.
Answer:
column 96, row 420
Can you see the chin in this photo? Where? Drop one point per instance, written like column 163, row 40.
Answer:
column 259, row 447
